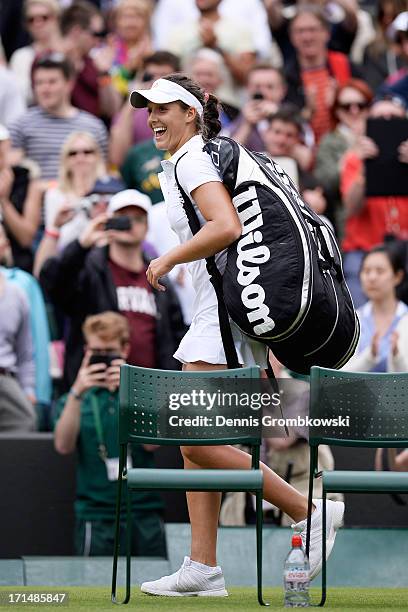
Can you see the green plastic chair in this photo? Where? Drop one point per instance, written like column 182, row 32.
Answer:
column 144, row 398
column 377, row 408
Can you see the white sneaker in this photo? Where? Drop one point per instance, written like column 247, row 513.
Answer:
column 189, row 581
column 334, row 520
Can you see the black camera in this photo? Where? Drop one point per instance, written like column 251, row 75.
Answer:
column 105, row 358
column 120, row 224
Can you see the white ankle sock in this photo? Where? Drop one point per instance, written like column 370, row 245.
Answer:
column 204, row 568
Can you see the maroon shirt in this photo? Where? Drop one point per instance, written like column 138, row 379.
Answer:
column 136, row 302
column 85, row 94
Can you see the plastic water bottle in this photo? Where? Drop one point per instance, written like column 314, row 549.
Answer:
column 296, row 573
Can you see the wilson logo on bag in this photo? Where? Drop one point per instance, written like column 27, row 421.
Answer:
column 283, row 283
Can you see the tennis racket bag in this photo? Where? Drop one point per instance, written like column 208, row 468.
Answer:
column 283, row 283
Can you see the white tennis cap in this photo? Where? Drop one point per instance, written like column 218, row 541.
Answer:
column 129, row 197
column 163, row 92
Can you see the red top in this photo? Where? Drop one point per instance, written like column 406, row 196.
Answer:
column 316, row 82
column 137, row 303
column 379, row 216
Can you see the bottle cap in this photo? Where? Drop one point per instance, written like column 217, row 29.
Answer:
column 296, row 541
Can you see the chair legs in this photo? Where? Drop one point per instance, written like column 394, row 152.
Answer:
column 117, row 535
column 122, row 484
column 312, row 471
column 259, row 523
column 324, row 564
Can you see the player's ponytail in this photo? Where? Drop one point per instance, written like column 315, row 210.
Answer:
column 209, row 125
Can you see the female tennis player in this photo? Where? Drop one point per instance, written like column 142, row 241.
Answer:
column 183, row 118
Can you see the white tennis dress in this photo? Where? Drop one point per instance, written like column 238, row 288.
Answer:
column 203, row 341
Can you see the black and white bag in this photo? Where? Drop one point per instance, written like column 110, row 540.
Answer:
column 283, row 283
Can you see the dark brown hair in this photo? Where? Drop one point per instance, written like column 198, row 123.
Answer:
column 209, row 124
column 163, row 58
column 79, row 13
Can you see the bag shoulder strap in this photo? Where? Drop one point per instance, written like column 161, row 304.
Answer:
column 215, row 278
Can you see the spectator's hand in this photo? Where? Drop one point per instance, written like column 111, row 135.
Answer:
column 103, row 58
column 252, row 112
column 94, row 231
column 311, row 97
column 157, row 268
column 375, row 342
column 207, row 33
column 302, row 154
column 137, row 53
column 6, row 183
column 65, row 214
column 31, row 398
column 330, row 93
column 90, row 375
column 365, row 148
column 113, row 374
column 394, row 344
column 403, row 152
column 315, row 199
column 267, row 108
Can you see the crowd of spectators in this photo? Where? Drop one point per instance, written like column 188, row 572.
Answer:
column 321, row 86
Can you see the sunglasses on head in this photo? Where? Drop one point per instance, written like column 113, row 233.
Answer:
column 33, row 18
column 347, row 106
column 76, row 152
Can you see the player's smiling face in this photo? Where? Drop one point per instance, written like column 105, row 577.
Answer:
column 172, row 125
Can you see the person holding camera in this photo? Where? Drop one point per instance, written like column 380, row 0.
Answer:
column 87, row 421
column 266, row 90
column 105, row 269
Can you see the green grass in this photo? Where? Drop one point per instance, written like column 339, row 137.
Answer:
column 244, row 599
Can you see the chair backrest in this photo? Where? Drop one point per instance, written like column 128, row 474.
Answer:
column 148, row 398
column 371, row 408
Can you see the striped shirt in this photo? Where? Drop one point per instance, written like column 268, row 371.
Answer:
column 317, row 82
column 42, row 135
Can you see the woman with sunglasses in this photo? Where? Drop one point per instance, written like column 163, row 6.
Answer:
column 41, row 21
column 67, row 210
column 350, row 111
column 182, row 117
